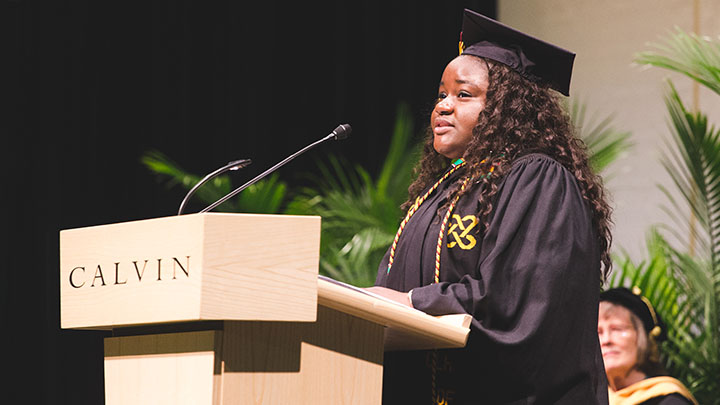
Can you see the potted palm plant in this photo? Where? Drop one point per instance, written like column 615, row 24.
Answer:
column 682, row 280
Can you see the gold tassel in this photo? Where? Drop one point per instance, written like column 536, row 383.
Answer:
column 655, row 332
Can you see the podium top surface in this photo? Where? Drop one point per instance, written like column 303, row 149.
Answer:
column 406, row 328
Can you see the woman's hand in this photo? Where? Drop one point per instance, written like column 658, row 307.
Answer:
column 394, row 295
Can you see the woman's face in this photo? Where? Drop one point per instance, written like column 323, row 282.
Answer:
column 461, row 98
column 618, row 340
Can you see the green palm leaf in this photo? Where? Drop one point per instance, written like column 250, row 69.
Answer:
column 264, row 197
column 690, row 353
column 693, row 163
column 357, row 260
column 605, row 143
column 693, row 347
column 688, row 54
column 360, row 214
column 694, row 167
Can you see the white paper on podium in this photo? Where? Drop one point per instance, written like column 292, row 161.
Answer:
column 361, row 290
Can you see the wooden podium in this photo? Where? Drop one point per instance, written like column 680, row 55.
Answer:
column 228, row 309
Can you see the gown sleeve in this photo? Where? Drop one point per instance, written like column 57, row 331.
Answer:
column 533, row 293
column 672, row 399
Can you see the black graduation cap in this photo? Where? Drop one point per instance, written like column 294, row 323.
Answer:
column 640, row 306
column 534, row 59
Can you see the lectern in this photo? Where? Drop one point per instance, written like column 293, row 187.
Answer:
column 229, row 309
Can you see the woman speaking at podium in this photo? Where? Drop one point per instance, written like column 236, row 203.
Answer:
column 506, row 222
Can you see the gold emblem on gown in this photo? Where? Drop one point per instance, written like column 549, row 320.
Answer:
column 459, row 232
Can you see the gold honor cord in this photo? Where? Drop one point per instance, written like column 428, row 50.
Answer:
column 437, row 399
column 418, row 201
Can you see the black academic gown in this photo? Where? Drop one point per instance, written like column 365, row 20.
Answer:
column 531, row 283
column 672, row 399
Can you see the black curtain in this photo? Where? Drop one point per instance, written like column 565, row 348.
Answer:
column 89, row 86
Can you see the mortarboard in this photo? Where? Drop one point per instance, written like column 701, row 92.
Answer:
column 640, row 306
column 536, row 60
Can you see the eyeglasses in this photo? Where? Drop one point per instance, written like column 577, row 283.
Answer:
column 620, row 331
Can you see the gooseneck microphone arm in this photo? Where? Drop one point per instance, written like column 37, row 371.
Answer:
column 234, row 165
column 341, row 132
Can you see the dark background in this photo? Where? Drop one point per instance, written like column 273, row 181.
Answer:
column 89, row 86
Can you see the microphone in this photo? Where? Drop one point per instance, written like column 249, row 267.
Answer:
column 234, row 165
column 339, row 133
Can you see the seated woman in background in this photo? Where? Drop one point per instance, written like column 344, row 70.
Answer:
column 629, row 332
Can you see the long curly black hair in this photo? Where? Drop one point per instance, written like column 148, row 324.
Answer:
column 520, row 117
